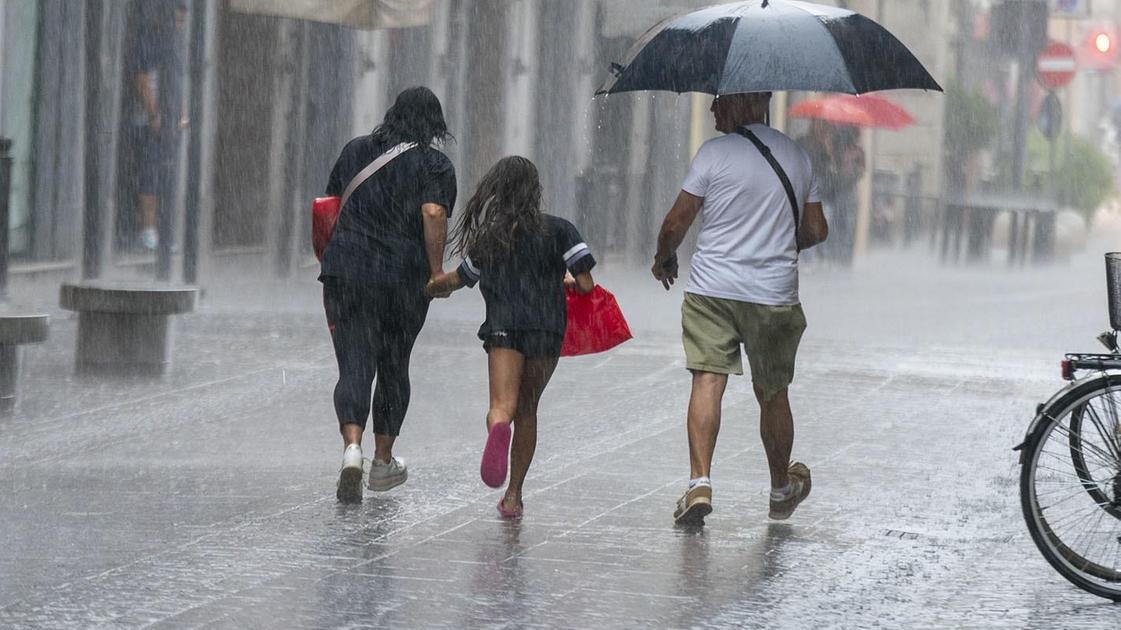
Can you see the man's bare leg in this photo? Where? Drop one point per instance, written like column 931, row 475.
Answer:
column 776, row 427
column 704, row 420
column 149, row 212
column 149, row 209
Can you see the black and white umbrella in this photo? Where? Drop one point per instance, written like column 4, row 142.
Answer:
column 769, row 45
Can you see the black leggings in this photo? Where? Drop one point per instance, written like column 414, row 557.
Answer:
column 373, row 329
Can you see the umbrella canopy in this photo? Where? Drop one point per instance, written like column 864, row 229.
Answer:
column 862, row 111
column 768, row 45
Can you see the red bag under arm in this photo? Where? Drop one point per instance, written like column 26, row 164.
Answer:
column 324, row 214
column 595, row 323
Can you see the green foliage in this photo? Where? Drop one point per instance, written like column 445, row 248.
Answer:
column 971, row 121
column 1083, row 177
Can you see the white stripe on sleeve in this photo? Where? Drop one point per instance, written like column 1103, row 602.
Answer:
column 471, row 268
column 575, row 252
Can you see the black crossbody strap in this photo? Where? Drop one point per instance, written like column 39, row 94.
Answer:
column 766, row 151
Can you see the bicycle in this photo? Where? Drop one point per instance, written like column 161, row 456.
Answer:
column 1070, row 474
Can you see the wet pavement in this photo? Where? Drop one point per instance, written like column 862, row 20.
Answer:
column 206, row 498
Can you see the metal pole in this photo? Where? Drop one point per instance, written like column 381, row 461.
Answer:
column 194, row 143
column 5, row 194
column 1025, row 66
column 294, row 138
column 169, row 152
column 94, row 202
column 862, row 224
column 1051, row 166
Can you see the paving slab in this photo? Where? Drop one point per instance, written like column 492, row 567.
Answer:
column 205, row 498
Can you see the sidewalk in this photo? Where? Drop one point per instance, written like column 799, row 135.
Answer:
column 206, row 499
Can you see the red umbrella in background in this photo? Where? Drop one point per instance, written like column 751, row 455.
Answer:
column 863, row 111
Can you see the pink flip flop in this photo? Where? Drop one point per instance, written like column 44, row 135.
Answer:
column 496, row 455
column 505, row 513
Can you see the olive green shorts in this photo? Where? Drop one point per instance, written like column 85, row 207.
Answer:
column 714, row 328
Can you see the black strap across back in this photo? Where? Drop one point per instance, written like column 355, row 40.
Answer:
column 766, row 151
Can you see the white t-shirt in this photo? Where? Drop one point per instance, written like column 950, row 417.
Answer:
column 746, row 249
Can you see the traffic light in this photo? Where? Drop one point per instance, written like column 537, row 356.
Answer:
column 1103, row 43
column 1100, row 48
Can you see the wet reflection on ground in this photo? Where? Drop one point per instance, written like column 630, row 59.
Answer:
column 207, row 499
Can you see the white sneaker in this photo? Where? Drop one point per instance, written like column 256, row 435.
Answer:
column 149, row 238
column 350, row 475
column 384, row 476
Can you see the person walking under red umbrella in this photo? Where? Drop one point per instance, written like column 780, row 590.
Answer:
column 838, row 160
column 833, row 143
column 757, row 196
column 522, row 259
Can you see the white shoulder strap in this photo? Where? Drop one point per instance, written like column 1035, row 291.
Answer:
column 373, row 167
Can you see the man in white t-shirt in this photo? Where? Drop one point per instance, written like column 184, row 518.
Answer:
column 743, row 288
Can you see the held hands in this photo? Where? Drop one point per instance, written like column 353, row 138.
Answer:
column 665, row 271
column 442, row 285
column 434, row 289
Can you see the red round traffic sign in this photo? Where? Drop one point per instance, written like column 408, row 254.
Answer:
column 1056, row 66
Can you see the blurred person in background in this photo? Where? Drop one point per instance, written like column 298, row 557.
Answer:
column 159, row 107
column 840, row 192
column 838, row 160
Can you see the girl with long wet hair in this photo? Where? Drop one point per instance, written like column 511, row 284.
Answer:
column 522, row 260
column 388, row 242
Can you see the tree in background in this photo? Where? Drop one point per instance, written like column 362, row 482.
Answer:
column 1083, row 173
column 971, row 123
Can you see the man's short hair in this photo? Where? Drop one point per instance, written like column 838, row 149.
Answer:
column 748, row 96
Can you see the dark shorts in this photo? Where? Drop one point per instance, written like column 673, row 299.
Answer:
column 533, row 344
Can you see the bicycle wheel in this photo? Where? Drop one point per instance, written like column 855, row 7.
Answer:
column 1086, row 458
column 1070, row 486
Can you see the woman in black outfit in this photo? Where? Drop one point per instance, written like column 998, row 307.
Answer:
column 388, row 242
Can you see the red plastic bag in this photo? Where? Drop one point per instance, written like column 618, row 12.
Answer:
column 324, row 214
column 595, row 323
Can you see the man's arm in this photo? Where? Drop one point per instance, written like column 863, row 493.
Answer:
column 435, row 236
column 814, row 228
column 674, row 227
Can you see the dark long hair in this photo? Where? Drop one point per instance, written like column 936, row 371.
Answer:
column 505, row 209
column 416, row 116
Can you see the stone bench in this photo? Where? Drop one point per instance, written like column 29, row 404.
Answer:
column 125, row 328
column 16, row 329
column 968, row 232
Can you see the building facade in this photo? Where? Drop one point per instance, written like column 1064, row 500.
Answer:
column 274, row 98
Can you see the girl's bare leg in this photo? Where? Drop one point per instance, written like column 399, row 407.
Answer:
column 535, row 376
column 505, row 367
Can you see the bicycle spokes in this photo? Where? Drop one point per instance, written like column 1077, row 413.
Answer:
column 1076, row 487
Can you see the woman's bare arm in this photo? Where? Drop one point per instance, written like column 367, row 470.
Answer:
column 442, row 284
